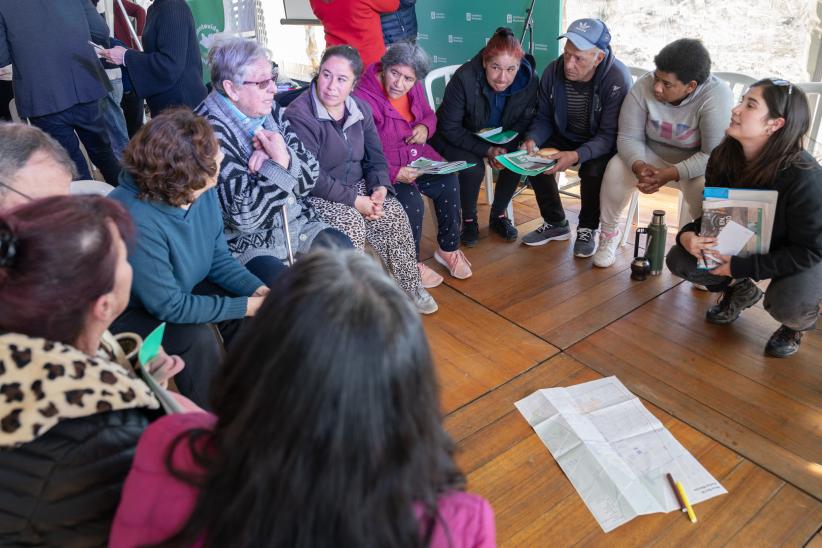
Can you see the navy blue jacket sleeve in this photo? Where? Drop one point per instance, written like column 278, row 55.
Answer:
column 612, row 93
column 542, row 126
column 96, row 24
column 154, row 73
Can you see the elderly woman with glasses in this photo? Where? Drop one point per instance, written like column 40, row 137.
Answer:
column 267, row 173
column 405, row 122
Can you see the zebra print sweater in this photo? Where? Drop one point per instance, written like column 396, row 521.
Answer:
column 252, row 204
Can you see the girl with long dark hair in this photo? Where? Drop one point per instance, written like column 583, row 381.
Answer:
column 327, row 431
column 763, row 149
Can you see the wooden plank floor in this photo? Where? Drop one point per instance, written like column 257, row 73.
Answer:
column 534, row 318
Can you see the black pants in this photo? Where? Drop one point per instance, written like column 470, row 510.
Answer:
column 84, row 119
column 444, row 191
column 590, row 175
column 133, row 111
column 471, row 181
column 201, row 346
column 792, row 300
column 6, row 95
column 268, row 268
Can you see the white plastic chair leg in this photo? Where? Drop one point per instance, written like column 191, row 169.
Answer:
column 633, row 216
column 489, row 182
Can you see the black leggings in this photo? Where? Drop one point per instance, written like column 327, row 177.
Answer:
column 471, row 181
column 443, row 190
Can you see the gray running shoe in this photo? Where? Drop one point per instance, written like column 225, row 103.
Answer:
column 424, row 302
column 546, row 233
column 586, row 243
column 734, row 300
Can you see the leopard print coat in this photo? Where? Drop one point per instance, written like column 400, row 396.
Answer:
column 43, row 383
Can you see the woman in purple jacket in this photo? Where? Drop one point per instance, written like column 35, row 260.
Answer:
column 353, row 192
column 405, row 122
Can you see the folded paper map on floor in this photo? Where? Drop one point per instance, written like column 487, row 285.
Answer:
column 614, row 451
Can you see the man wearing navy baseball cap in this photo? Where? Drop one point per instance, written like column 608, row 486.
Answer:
column 580, row 95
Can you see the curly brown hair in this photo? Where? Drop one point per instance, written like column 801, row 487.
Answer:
column 172, row 156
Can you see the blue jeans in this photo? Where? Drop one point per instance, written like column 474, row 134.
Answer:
column 114, row 119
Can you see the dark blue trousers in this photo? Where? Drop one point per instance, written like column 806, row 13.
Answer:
column 87, row 121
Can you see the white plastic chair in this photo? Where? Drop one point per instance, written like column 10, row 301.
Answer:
column 90, row 186
column 446, row 73
column 814, row 92
column 15, row 116
column 738, row 82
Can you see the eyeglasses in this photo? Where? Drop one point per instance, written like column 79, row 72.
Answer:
column 9, row 187
column 263, row 84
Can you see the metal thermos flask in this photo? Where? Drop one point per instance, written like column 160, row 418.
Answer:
column 655, row 242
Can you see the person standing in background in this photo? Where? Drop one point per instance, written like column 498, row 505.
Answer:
column 401, row 25
column 168, row 72
column 355, row 23
column 131, row 104
column 58, row 83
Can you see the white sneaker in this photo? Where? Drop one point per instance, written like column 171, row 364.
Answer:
column 606, row 252
column 424, row 302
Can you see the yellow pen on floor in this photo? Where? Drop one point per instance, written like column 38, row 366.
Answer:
column 688, row 507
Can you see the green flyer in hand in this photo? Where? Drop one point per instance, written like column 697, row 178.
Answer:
column 151, row 344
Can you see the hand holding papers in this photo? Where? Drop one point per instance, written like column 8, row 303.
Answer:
column 433, row 167
column 614, row 451
column 150, row 348
column 741, row 220
column 521, row 162
column 497, row 136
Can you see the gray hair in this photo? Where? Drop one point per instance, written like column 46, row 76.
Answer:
column 18, row 142
column 411, row 55
column 230, row 58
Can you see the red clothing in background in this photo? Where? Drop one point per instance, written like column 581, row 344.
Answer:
column 356, row 23
column 121, row 31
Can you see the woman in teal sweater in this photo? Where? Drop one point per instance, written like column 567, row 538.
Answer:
column 184, row 273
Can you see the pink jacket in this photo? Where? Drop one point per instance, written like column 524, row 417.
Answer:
column 392, row 127
column 155, row 505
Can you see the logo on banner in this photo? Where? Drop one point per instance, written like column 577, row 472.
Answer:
column 540, row 47
column 473, row 16
column 437, row 15
column 511, row 18
column 422, row 36
column 454, row 39
column 206, row 35
column 438, row 59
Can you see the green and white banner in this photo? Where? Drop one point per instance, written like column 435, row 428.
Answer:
column 453, row 31
column 209, row 19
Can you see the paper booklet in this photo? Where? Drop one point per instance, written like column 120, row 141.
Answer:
column 520, row 162
column 614, row 451
column 497, row 136
column 740, row 219
column 433, row 167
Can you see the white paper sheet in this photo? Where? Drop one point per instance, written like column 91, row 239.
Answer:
column 614, row 451
column 732, row 238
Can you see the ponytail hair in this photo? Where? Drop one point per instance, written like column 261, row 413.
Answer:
column 503, row 42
